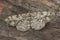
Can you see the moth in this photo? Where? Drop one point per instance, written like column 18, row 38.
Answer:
column 34, row 20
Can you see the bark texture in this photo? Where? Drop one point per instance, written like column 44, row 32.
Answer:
column 13, row 7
